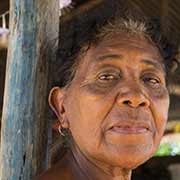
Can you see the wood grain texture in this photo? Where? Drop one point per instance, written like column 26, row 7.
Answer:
column 33, row 37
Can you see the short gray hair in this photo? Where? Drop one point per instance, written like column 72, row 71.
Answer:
column 128, row 26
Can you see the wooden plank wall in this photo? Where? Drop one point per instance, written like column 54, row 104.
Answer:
column 34, row 32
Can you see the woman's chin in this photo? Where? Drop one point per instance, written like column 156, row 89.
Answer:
column 133, row 162
column 130, row 158
column 130, row 162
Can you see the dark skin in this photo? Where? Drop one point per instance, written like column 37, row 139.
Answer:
column 116, row 109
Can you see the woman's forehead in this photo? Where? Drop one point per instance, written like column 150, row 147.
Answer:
column 119, row 45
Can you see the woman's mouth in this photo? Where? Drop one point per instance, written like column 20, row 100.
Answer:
column 129, row 129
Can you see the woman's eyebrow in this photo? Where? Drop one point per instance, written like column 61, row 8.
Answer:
column 109, row 57
column 156, row 64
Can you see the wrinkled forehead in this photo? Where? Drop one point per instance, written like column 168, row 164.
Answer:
column 123, row 44
column 128, row 41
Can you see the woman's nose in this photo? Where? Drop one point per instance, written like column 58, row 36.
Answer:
column 133, row 98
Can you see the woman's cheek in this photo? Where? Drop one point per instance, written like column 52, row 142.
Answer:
column 159, row 108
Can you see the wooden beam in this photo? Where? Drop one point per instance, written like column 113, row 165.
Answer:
column 33, row 30
column 164, row 16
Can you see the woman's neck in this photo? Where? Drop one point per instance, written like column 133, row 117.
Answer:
column 85, row 168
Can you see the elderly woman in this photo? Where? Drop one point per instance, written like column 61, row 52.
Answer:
column 115, row 103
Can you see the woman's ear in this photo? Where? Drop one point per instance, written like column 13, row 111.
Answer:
column 56, row 98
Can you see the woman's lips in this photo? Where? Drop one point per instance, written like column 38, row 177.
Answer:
column 129, row 129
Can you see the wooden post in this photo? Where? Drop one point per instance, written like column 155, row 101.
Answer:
column 34, row 28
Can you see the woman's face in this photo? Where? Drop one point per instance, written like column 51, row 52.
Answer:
column 117, row 104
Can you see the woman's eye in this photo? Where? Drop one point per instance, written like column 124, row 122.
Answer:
column 151, row 81
column 108, row 77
